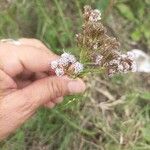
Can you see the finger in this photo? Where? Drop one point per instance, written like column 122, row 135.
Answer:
column 6, row 82
column 49, row 104
column 58, row 100
column 48, row 88
column 40, row 75
column 30, row 76
column 55, row 101
column 25, row 75
column 33, row 42
column 16, row 108
column 22, row 83
column 14, row 59
column 25, row 80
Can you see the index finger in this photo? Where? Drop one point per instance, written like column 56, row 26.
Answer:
column 15, row 59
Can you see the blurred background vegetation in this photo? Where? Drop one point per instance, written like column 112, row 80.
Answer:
column 114, row 114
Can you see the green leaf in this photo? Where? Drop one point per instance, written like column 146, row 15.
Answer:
column 125, row 11
column 145, row 29
column 136, row 34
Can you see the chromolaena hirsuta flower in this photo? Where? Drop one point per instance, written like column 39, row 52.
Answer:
column 98, row 50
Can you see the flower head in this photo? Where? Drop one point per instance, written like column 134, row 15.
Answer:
column 72, row 59
column 61, row 66
column 65, row 55
column 114, row 62
column 133, row 66
column 59, row 72
column 63, row 61
column 130, row 55
column 78, row 68
column 98, row 50
column 120, row 68
column 98, row 59
column 126, row 66
column 95, row 15
column 54, row 64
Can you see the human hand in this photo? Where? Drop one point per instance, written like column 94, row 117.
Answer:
column 26, row 84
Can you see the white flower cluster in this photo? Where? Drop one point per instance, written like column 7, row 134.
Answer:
column 78, row 67
column 122, row 64
column 61, row 65
column 95, row 15
column 98, row 59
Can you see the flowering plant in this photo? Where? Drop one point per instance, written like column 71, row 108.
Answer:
column 98, row 51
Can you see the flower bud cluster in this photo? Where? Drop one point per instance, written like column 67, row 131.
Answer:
column 95, row 15
column 122, row 64
column 98, row 60
column 66, row 61
column 99, row 48
column 92, row 15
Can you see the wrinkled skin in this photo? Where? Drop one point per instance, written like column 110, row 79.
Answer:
column 26, row 83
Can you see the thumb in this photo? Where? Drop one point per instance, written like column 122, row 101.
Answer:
column 50, row 88
column 22, row 104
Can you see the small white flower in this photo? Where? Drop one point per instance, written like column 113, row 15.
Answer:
column 123, row 56
column 95, row 46
column 63, row 61
column 78, row 68
column 59, row 72
column 77, row 35
column 126, row 66
column 130, row 55
column 118, row 58
column 114, row 62
column 111, row 75
column 54, row 64
column 72, row 59
column 133, row 67
column 97, row 11
column 98, row 59
column 111, row 72
column 65, row 55
column 120, row 68
column 68, row 57
column 95, row 16
column 111, row 62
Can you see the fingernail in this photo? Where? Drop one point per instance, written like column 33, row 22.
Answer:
column 76, row 86
column 59, row 100
column 50, row 105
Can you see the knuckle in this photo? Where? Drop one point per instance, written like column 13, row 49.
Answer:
column 55, row 88
column 38, row 42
